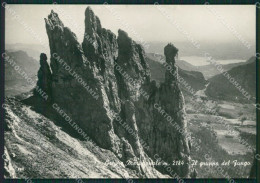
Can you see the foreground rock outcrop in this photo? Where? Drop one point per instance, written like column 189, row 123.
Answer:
column 105, row 86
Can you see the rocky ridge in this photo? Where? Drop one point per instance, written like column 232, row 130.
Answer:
column 103, row 83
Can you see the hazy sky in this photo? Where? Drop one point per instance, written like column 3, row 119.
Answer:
column 146, row 20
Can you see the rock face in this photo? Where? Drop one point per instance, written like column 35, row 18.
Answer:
column 104, row 85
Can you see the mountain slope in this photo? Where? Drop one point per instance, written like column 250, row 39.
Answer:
column 221, row 88
column 38, row 148
column 195, row 79
column 21, row 58
column 15, row 83
column 180, row 63
column 211, row 70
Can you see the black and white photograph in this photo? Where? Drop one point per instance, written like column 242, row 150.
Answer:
column 130, row 91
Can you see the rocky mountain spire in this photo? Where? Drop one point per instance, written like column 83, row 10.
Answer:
column 170, row 52
column 44, row 77
column 98, row 41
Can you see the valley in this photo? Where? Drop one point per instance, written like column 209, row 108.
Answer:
column 226, row 131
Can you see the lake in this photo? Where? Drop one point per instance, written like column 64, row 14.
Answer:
column 200, row 61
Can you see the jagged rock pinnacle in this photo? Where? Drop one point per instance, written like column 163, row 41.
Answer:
column 53, row 21
column 170, row 51
column 92, row 22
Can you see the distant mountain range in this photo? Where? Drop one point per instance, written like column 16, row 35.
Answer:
column 31, row 49
column 219, row 51
column 224, row 51
column 208, row 71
